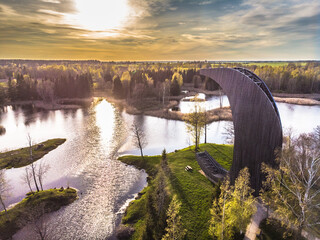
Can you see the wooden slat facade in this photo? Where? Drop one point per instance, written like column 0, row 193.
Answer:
column 257, row 124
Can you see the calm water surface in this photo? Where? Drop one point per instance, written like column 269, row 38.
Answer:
column 302, row 119
column 95, row 136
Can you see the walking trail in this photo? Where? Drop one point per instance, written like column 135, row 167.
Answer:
column 253, row 228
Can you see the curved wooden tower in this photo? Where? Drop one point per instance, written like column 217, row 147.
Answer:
column 256, row 120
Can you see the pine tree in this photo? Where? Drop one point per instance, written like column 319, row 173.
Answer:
column 174, row 229
column 117, row 88
column 175, row 88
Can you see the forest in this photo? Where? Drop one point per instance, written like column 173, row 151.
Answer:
column 49, row 80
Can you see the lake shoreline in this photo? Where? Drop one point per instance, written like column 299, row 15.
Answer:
column 164, row 111
column 192, row 187
column 21, row 157
column 32, row 207
column 59, row 104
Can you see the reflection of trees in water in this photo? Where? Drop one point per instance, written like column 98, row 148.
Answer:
column 291, row 107
column 119, row 135
column 229, row 133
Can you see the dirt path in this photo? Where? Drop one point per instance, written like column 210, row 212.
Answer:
column 253, row 228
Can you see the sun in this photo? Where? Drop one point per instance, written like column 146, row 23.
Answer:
column 101, row 15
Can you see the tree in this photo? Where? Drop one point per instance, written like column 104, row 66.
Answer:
column 205, row 122
column 164, row 162
column 40, row 227
column 174, row 229
column 229, row 133
column 45, row 90
column 316, row 134
column 139, row 137
column 117, row 87
column 195, row 122
column 175, row 88
column 4, row 189
column 12, row 90
column 27, row 178
column 293, row 190
column 33, row 165
column 2, row 95
column 165, row 87
column 219, row 225
column 42, row 171
column 232, row 212
column 242, row 204
column 161, row 201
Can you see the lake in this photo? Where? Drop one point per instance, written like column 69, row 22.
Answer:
column 87, row 160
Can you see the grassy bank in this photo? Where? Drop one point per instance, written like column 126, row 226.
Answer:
column 32, row 207
column 21, row 157
column 193, row 189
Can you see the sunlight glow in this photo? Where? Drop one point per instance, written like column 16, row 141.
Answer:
column 105, row 120
column 102, row 15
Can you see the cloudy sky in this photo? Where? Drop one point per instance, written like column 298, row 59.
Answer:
column 160, row 29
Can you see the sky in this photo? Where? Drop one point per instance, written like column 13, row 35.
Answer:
column 148, row 30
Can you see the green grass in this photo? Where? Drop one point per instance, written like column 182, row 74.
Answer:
column 32, row 207
column 21, row 157
column 194, row 190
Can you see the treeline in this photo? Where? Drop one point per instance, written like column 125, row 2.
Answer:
column 134, row 81
column 291, row 78
column 23, row 87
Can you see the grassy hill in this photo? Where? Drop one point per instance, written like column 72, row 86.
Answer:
column 193, row 189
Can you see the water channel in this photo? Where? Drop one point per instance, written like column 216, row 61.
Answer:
column 87, row 160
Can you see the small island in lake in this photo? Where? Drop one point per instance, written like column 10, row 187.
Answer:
column 21, row 157
column 32, row 207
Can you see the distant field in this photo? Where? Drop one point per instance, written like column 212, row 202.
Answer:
column 259, row 64
column 273, row 64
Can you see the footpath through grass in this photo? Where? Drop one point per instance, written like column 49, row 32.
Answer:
column 32, row 207
column 194, row 190
column 21, row 157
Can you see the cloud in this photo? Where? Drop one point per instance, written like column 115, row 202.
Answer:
column 7, row 10
column 205, row 3
column 52, row 1
column 165, row 29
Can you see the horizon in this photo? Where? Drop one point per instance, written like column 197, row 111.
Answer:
column 170, row 30
column 159, row 61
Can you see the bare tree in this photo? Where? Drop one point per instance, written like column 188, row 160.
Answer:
column 220, row 97
column 205, row 122
column 139, row 137
column 33, row 165
column 229, row 133
column 45, row 89
column 4, row 189
column 316, row 134
column 41, row 228
column 41, row 172
column 294, row 187
column 27, row 178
